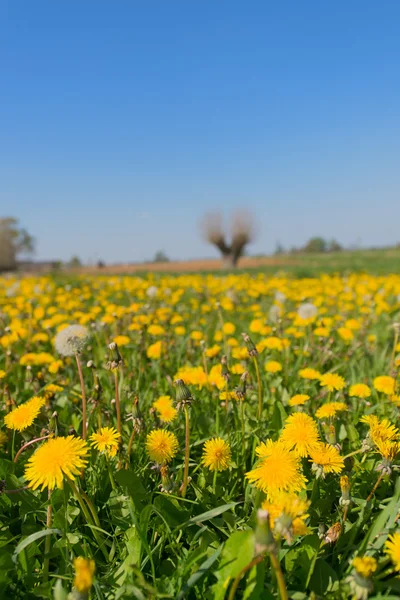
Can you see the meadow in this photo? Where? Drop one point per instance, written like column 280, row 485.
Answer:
column 201, row 436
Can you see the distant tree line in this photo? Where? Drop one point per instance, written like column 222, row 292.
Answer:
column 315, row 245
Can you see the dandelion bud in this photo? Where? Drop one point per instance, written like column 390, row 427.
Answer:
column 240, row 390
column 264, row 540
column 345, row 499
column 225, row 371
column 183, row 394
column 252, row 350
column 167, row 484
column 116, row 359
column 321, row 531
column 90, row 364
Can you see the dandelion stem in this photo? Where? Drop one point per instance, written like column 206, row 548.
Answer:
column 215, row 481
column 110, row 473
column 47, row 544
column 13, row 445
column 29, row 444
column 117, row 403
column 128, row 456
column 279, row 576
column 255, row 361
column 78, row 364
column 396, row 339
column 243, row 430
column 375, row 487
column 238, row 578
column 187, row 453
column 89, row 518
column 352, row 453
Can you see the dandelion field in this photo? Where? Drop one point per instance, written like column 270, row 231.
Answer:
column 200, row 437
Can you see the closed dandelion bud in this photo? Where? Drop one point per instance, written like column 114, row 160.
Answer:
column 330, row 434
column 183, row 394
column 240, row 390
column 167, row 484
column 116, row 359
column 367, row 444
column 252, row 350
column 321, row 531
column 53, row 423
column 283, row 527
column 225, row 371
column 345, row 499
column 264, row 540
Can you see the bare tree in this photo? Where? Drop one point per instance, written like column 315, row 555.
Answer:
column 242, row 233
column 13, row 241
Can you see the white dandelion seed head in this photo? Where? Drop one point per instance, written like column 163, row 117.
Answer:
column 280, row 296
column 274, row 313
column 307, row 310
column 151, row 291
column 71, row 340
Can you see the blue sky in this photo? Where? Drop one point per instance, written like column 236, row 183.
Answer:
column 123, row 122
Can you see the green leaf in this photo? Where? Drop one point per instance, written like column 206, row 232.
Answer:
column 237, row 553
column 131, row 483
column 204, row 567
column 33, row 538
column 324, row 579
column 58, row 591
column 209, row 514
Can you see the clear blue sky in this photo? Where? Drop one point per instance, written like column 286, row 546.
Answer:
column 122, row 122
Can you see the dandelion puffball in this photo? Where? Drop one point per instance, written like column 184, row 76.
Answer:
column 307, row 310
column 71, row 340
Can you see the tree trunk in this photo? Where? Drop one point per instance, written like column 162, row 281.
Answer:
column 229, row 260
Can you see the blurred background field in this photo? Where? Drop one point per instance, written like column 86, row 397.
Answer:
column 377, row 262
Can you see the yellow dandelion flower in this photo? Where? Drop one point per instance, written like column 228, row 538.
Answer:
column 330, row 409
column 359, row 390
column 165, row 409
column 309, row 373
column 332, row 381
column 392, row 549
column 300, row 434
column 216, row 454
column 385, row 384
column 365, row 565
column 23, row 416
column 121, row 340
column 161, row 446
column 155, row 350
column 287, row 514
column 326, row 459
column 279, row 469
column 237, row 369
column 273, row 366
column 380, row 430
column 388, row 449
column 2, row 374
column 106, row 440
column 298, row 399
column 56, row 458
column 346, row 334
column 213, row 351
column 196, row 335
column 229, row 328
column 84, row 571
